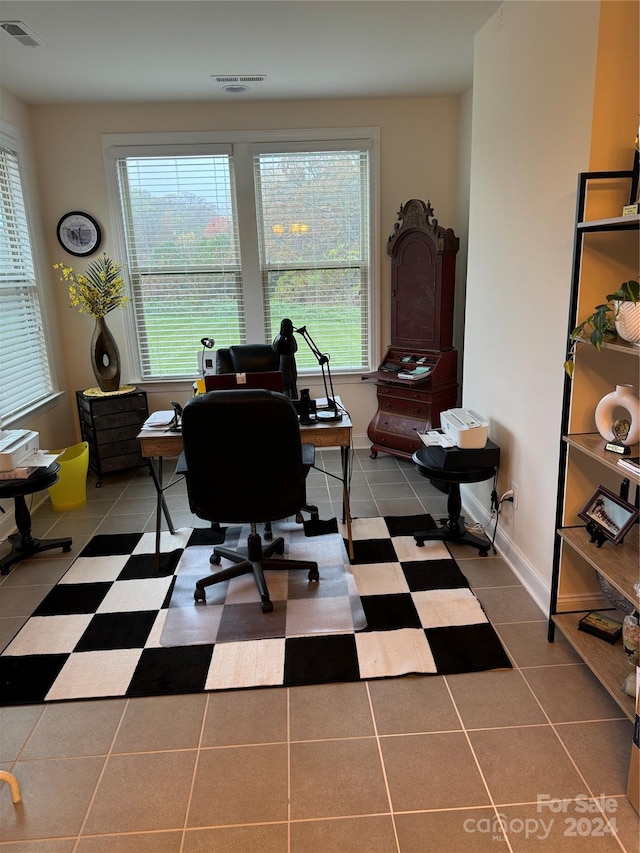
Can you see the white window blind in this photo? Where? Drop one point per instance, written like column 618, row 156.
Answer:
column 25, row 377
column 313, row 223
column 183, row 256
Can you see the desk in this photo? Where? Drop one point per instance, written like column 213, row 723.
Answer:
column 156, row 445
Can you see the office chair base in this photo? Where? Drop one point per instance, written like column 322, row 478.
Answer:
column 255, row 562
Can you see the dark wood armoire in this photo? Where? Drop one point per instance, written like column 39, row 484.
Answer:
column 417, row 378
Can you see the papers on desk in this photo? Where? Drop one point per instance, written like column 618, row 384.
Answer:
column 38, row 459
column 159, row 420
column 435, row 438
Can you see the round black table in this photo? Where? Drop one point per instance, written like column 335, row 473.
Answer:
column 23, row 543
column 451, row 530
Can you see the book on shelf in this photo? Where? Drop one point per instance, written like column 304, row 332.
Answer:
column 601, row 624
column 630, row 463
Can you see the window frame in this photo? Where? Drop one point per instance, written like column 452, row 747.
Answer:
column 245, row 144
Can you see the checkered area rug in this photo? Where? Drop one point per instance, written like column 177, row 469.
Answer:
column 98, row 632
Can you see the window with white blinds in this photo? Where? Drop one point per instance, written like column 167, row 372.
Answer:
column 313, row 231
column 226, row 236
column 183, row 256
column 25, row 378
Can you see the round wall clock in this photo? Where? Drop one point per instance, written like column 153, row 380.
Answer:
column 78, row 233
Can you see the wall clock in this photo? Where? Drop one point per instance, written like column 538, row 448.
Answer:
column 78, row 233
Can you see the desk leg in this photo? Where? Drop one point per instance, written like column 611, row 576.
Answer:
column 346, row 507
column 161, row 506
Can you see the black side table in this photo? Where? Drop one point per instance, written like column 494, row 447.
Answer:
column 22, row 543
column 451, row 530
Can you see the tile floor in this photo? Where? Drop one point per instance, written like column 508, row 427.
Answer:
column 413, row 764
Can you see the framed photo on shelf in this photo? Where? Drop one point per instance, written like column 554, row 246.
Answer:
column 608, row 516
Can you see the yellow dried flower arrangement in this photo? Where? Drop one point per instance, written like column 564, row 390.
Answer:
column 99, row 290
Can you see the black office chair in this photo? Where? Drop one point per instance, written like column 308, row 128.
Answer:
column 256, row 358
column 244, row 463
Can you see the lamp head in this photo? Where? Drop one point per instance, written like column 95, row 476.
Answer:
column 207, row 343
column 284, row 342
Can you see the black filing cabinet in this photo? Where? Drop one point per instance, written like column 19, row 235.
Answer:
column 110, row 425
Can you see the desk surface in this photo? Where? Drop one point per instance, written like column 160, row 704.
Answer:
column 154, row 442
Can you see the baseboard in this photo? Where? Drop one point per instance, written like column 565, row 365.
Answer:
column 537, row 587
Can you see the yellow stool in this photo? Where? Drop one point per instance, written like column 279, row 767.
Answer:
column 70, row 492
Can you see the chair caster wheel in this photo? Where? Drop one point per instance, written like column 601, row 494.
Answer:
column 215, row 559
column 66, row 549
column 483, row 552
column 420, row 543
column 267, row 606
column 200, row 596
column 314, row 575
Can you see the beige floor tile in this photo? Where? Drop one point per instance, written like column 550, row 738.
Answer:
column 527, row 644
column 137, row 842
column 571, row 693
column 521, row 764
column 329, row 711
column 268, row 838
column 509, row 604
column 16, row 724
column 412, row 704
column 433, row 771
column 142, row 792
column 489, row 571
column 9, row 627
column 537, row 829
column 491, row 699
column 336, row 778
column 21, row 601
column 34, row 572
column 601, row 752
column 75, row 728
column 50, row 845
column 161, row 722
column 240, row 785
column 245, row 717
column 473, row 830
column 627, row 824
column 55, row 797
column 345, row 835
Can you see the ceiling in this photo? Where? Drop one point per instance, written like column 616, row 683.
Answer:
column 101, row 51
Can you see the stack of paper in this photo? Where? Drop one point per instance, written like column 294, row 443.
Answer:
column 434, row 438
column 159, row 420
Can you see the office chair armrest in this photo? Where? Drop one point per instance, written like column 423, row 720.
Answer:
column 308, row 455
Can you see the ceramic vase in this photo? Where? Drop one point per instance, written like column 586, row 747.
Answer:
column 105, row 357
column 628, row 321
column 605, row 414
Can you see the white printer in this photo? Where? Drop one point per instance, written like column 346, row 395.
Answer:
column 466, row 428
column 16, row 447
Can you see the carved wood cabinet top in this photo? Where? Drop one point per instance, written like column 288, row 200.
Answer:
column 415, row 215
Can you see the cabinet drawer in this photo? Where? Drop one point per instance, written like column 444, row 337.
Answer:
column 111, row 406
column 413, row 408
column 115, row 448
column 385, row 391
column 108, row 422
column 110, row 436
column 116, row 463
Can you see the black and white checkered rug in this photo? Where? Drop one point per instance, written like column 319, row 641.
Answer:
column 99, row 632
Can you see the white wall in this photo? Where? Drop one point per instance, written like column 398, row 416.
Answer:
column 532, row 111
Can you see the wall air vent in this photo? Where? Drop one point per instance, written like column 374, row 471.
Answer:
column 237, row 79
column 21, row 33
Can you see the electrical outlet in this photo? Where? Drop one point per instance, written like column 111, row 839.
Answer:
column 514, row 489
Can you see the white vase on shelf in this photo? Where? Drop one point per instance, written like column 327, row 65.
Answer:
column 628, row 321
column 622, row 398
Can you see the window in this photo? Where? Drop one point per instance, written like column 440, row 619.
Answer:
column 25, row 377
column 226, row 238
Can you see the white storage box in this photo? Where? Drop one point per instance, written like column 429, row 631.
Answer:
column 466, row 428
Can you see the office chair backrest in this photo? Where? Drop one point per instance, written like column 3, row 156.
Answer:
column 258, row 358
column 243, row 455
column 247, row 358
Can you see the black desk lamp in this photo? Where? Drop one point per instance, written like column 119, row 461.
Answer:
column 207, row 343
column 282, row 344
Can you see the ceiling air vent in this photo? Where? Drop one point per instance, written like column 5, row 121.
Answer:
column 237, row 79
column 21, row 33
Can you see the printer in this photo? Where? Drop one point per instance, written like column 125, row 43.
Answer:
column 466, row 428
column 16, row 447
